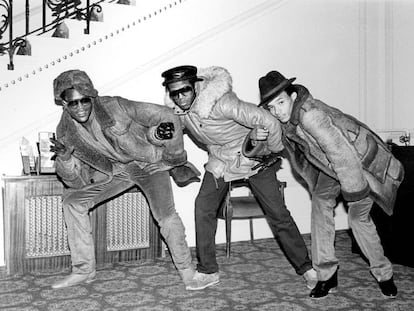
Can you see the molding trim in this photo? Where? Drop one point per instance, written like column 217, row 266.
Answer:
column 389, row 60
column 3, row 271
column 363, row 58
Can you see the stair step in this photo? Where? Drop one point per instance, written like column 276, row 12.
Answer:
column 50, row 46
column 77, row 29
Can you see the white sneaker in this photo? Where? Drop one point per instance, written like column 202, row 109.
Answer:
column 75, row 279
column 311, row 278
column 202, row 280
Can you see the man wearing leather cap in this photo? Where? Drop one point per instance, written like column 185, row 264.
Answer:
column 335, row 154
column 104, row 146
column 214, row 117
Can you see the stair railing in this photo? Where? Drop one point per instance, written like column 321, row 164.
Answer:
column 58, row 10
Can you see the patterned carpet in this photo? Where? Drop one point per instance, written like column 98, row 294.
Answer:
column 256, row 277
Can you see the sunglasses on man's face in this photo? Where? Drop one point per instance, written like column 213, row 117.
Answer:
column 74, row 104
column 183, row 91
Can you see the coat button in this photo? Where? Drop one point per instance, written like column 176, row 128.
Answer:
column 92, row 181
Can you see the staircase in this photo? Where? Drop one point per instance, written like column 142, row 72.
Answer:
column 48, row 50
column 124, row 55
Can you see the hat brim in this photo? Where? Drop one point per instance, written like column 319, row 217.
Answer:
column 191, row 79
column 276, row 91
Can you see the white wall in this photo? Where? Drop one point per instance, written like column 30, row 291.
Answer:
column 354, row 55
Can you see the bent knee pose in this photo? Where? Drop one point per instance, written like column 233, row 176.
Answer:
column 335, row 154
column 104, row 146
column 217, row 120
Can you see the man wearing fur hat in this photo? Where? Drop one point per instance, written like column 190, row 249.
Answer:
column 335, row 154
column 216, row 118
column 104, row 146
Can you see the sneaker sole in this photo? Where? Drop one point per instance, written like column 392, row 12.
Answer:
column 203, row 287
column 331, row 291
column 388, row 297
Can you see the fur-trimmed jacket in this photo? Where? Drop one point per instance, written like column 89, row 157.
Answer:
column 319, row 137
column 220, row 121
column 129, row 127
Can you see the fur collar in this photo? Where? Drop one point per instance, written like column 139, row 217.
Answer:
column 216, row 82
column 67, row 131
column 303, row 95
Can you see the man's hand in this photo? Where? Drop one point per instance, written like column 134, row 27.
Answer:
column 60, row 150
column 259, row 133
column 164, row 131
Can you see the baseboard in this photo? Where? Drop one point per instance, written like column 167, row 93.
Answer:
column 3, row 272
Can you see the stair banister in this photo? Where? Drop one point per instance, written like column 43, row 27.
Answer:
column 60, row 10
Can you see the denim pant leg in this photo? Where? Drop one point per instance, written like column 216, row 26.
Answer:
column 158, row 191
column 76, row 206
column 367, row 238
column 266, row 189
column 207, row 203
column 323, row 226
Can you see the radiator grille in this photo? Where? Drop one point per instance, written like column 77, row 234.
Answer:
column 127, row 222
column 46, row 236
column 46, row 233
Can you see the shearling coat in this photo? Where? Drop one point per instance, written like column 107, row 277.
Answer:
column 220, row 121
column 130, row 128
column 319, row 137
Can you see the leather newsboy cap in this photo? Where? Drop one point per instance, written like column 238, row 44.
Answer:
column 180, row 73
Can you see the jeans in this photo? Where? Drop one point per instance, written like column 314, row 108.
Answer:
column 324, row 260
column 265, row 187
column 158, row 192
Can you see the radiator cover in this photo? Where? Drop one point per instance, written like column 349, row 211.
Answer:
column 36, row 235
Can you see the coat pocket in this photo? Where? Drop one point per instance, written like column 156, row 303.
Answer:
column 376, row 159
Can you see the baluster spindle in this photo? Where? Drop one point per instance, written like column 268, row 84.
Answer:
column 27, row 17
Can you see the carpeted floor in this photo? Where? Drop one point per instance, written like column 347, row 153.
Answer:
column 256, row 277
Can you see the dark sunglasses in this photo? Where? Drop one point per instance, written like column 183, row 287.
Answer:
column 183, row 91
column 74, row 104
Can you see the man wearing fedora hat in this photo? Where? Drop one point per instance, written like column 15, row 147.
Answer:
column 105, row 146
column 335, row 154
column 217, row 119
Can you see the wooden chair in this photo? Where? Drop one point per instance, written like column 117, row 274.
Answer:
column 241, row 207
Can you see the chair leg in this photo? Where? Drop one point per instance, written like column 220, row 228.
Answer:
column 228, row 236
column 251, row 230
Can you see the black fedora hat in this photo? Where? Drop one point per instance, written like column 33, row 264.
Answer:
column 180, row 73
column 271, row 85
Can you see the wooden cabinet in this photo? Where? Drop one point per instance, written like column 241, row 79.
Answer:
column 397, row 230
column 35, row 232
